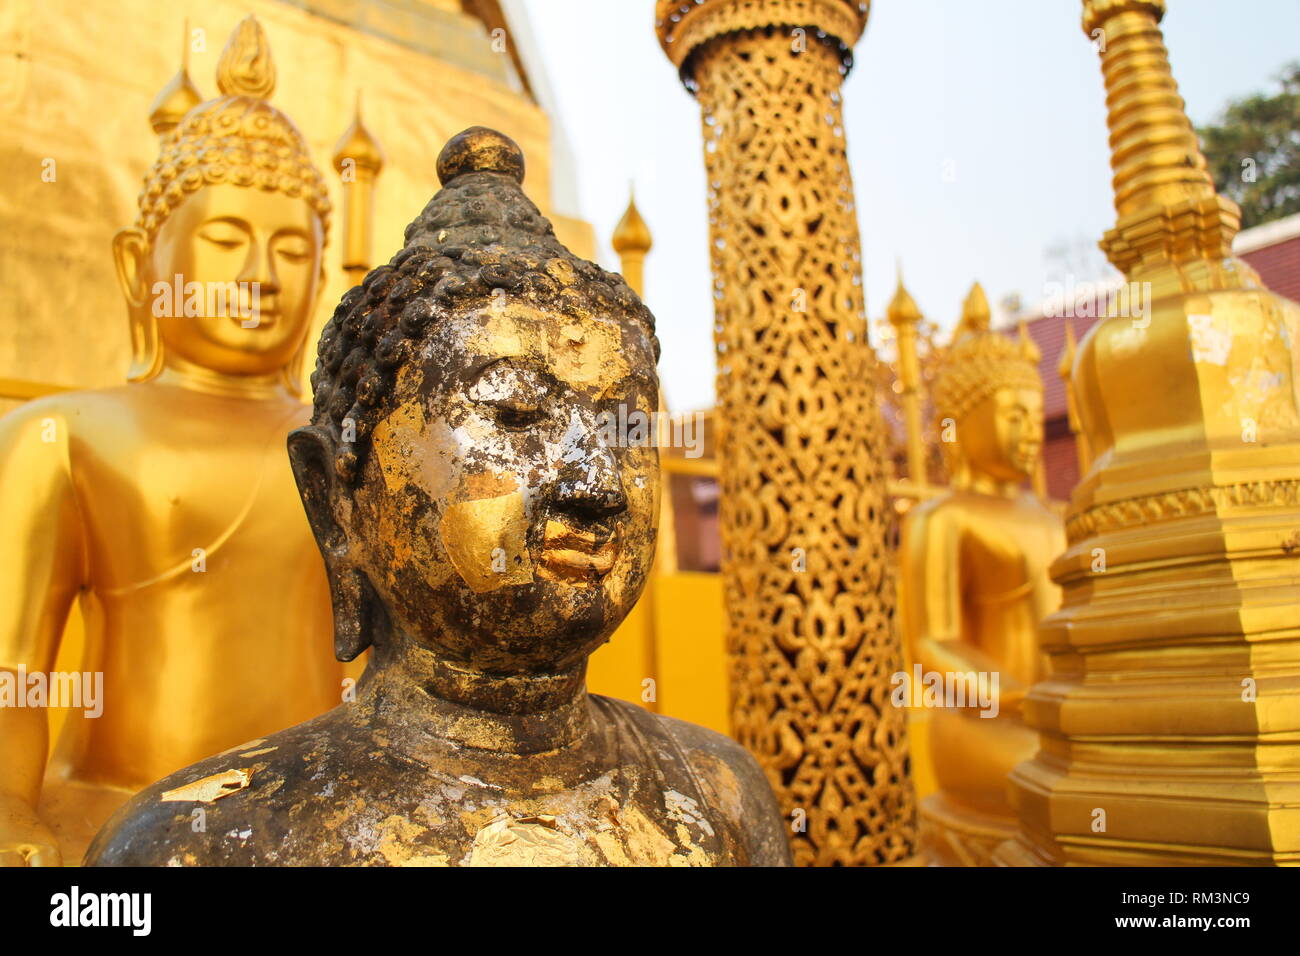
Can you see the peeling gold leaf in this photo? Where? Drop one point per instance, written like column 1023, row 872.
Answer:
column 210, row 788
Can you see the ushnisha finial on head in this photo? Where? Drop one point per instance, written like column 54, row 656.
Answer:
column 480, row 150
column 246, row 68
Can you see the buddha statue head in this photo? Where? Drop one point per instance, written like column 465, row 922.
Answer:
column 988, row 397
column 464, row 494
column 223, row 266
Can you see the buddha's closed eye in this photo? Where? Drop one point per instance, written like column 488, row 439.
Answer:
column 518, row 396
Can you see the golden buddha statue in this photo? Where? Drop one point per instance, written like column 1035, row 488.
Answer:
column 165, row 504
column 974, row 585
column 484, row 531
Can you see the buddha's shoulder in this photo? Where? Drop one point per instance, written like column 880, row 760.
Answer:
column 733, row 782
column 243, row 806
column 942, row 508
column 146, row 403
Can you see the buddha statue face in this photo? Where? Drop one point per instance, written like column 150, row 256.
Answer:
column 1002, row 435
column 989, row 385
column 492, row 520
column 250, row 270
column 464, row 472
column 539, row 536
column 223, row 265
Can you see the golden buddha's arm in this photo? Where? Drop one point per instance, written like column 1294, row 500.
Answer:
column 931, row 602
column 41, row 570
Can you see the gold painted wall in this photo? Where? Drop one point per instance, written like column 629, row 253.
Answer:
column 689, row 657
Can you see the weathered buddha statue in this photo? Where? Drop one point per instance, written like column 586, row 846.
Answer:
column 484, row 530
column 165, row 505
column 974, row 585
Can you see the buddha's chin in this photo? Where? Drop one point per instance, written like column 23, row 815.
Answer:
column 544, row 626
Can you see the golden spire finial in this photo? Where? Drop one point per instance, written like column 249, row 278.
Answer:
column 1065, row 365
column 358, row 145
column 245, row 68
column 1165, row 199
column 1028, row 347
column 975, row 314
column 902, row 308
column 631, row 234
column 178, row 97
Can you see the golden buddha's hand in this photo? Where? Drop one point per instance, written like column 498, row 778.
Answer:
column 24, row 839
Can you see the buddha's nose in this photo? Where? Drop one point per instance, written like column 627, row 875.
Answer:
column 588, row 481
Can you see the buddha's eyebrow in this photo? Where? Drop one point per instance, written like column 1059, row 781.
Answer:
column 228, row 220
column 514, row 363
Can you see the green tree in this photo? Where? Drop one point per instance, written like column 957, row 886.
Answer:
column 1254, row 152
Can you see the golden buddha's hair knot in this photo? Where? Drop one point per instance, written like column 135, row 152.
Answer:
column 237, row 138
column 980, row 361
column 480, row 150
column 245, row 68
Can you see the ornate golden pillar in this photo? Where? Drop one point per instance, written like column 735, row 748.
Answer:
column 1170, row 719
column 805, row 520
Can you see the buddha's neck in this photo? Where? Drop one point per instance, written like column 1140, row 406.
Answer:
column 183, row 373
column 418, row 695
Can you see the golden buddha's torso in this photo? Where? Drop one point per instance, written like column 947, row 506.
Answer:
column 1007, row 546
column 204, row 598
column 975, row 587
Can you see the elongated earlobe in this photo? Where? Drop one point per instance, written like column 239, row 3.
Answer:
column 130, row 258
column 358, row 614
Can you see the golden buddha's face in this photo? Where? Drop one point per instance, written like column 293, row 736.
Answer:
column 1002, row 436
column 249, row 263
column 500, row 524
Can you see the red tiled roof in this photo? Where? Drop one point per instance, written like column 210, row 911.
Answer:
column 1048, row 333
column 1279, row 266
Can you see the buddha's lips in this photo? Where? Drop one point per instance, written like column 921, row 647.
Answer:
column 261, row 319
column 572, row 552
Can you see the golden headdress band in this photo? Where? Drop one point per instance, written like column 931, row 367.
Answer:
column 236, row 138
column 980, row 361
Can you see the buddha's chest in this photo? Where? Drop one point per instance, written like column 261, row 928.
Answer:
column 207, row 506
column 1005, row 547
column 617, row 819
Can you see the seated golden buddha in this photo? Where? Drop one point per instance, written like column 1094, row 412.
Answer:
column 974, row 585
column 165, row 505
column 482, row 534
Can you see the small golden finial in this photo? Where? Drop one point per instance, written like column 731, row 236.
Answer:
column 631, row 234
column 1065, row 365
column 902, row 308
column 1028, row 347
column 358, row 145
column 975, row 313
column 179, row 96
column 245, row 68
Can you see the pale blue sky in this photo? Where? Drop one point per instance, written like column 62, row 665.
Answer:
column 1010, row 90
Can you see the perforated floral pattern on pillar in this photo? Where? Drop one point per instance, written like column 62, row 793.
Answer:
column 805, row 520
